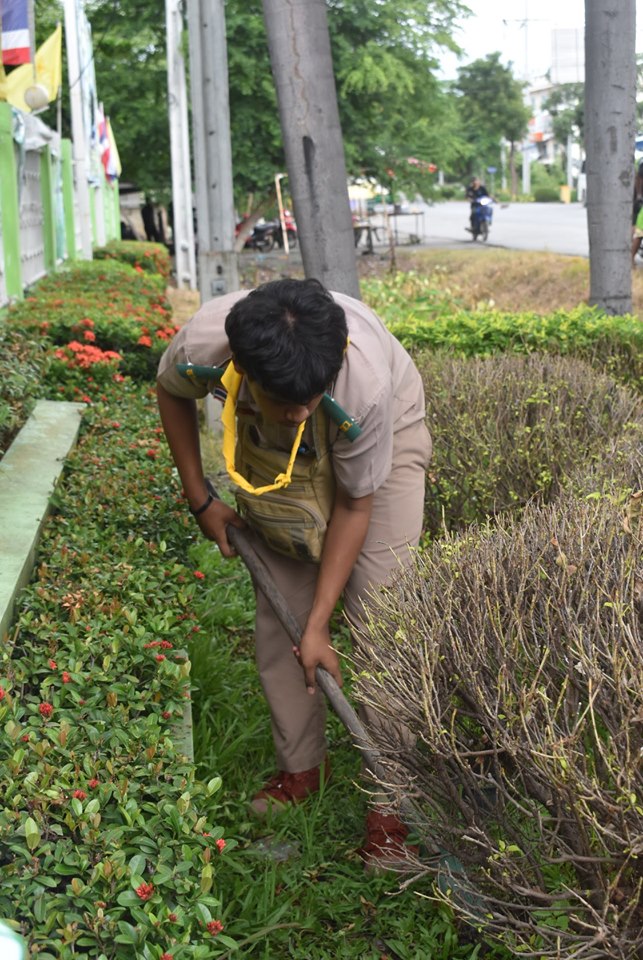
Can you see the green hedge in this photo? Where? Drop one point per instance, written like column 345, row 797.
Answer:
column 423, row 317
column 150, row 257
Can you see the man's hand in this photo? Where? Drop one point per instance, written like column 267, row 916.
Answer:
column 213, row 523
column 315, row 651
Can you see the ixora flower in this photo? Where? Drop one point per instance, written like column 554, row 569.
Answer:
column 145, row 891
column 66, row 677
column 214, row 927
column 45, row 710
column 199, row 575
column 93, row 783
column 53, row 665
column 79, row 795
column 167, row 956
column 3, row 693
column 160, row 657
column 220, row 845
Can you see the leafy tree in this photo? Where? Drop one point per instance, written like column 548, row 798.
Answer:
column 566, row 106
column 491, row 108
column 385, row 61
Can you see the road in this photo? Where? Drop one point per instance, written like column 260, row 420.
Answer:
column 554, row 227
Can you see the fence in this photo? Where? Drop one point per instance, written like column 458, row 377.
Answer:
column 39, row 217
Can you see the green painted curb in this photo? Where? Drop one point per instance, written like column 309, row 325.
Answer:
column 29, row 472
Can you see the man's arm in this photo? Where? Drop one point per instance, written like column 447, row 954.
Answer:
column 181, row 426
column 345, row 537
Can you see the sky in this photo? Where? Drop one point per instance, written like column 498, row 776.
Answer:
column 521, row 30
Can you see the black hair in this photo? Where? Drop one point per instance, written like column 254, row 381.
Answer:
column 290, row 337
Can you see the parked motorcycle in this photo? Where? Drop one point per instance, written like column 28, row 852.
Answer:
column 263, row 237
column 481, row 217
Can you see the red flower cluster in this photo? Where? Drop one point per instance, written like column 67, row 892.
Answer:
column 93, row 783
column 144, row 341
column 199, row 575
column 145, row 891
column 53, row 665
column 83, row 356
column 214, row 927
column 3, row 693
column 45, row 710
column 66, row 678
column 79, row 795
column 160, row 657
column 220, row 845
column 167, row 956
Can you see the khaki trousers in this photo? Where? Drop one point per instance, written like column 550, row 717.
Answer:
column 298, row 719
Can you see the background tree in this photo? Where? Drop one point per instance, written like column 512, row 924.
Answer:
column 610, row 116
column 491, row 108
column 385, row 58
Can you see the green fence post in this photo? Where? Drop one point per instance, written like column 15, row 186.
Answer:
column 68, row 198
column 117, row 210
column 9, row 206
column 48, row 211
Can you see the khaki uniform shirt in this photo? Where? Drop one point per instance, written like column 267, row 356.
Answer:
column 378, row 385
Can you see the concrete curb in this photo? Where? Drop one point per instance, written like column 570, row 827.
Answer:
column 29, row 472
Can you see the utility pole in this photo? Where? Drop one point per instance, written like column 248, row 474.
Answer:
column 610, row 132
column 303, row 70
column 80, row 136
column 182, row 219
column 217, row 261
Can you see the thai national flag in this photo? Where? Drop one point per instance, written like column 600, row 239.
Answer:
column 16, row 46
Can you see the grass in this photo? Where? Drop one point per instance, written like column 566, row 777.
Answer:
column 316, row 904
column 511, row 280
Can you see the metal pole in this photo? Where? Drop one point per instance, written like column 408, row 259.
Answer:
column 80, row 136
column 217, row 261
column 182, row 219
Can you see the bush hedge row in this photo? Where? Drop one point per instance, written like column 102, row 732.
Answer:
column 509, row 428
column 422, row 316
column 108, row 843
column 513, row 656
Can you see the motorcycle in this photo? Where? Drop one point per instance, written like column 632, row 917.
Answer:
column 263, row 237
column 481, row 217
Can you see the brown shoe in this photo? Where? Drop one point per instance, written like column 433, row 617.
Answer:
column 385, row 847
column 286, row 788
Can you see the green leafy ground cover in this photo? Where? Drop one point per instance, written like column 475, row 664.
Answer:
column 126, row 867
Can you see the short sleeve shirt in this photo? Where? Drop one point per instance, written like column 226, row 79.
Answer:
column 378, row 385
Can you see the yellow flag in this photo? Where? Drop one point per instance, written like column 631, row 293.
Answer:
column 48, row 73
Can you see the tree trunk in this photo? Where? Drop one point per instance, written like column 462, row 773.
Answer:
column 303, row 71
column 610, row 131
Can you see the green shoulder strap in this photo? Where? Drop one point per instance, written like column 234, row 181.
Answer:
column 332, row 409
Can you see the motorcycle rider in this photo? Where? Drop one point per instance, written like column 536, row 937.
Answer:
column 475, row 190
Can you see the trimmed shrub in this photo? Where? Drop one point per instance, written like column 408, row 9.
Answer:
column 144, row 256
column 513, row 657
column 509, row 428
column 610, row 343
column 546, row 194
column 108, row 841
column 23, row 363
column 106, row 305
